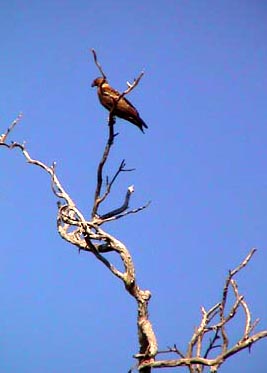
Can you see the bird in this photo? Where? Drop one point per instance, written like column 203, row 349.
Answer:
column 123, row 108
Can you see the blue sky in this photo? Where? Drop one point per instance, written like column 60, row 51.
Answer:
column 202, row 163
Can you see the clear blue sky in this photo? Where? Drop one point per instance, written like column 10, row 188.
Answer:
column 202, row 162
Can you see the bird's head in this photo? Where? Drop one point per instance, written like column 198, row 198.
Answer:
column 98, row 82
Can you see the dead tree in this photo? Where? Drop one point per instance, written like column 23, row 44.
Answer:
column 88, row 234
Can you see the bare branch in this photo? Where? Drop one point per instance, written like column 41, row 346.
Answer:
column 98, row 64
column 131, row 86
column 4, row 136
column 246, row 310
column 98, row 199
column 119, row 210
column 109, row 184
column 173, row 349
column 119, row 216
column 50, row 170
column 243, row 264
column 193, row 360
column 212, row 345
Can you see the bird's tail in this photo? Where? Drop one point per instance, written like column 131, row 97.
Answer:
column 140, row 124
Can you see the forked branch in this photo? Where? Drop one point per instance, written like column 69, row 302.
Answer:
column 213, row 322
column 88, row 236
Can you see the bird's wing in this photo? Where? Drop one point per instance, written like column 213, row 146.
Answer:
column 107, row 96
column 124, row 109
column 110, row 95
column 125, row 106
column 107, row 90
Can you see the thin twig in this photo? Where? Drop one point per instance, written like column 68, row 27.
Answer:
column 246, row 310
column 173, row 349
column 4, row 136
column 211, row 345
column 110, row 183
column 122, row 215
column 97, row 199
column 124, row 206
column 98, row 64
column 244, row 263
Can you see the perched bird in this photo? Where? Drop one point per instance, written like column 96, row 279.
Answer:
column 122, row 108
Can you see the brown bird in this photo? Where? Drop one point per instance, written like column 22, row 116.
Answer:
column 123, row 108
